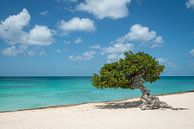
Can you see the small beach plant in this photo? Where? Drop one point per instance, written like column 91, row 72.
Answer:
column 132, row 72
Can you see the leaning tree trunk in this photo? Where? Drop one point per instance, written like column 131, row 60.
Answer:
column 150, row 102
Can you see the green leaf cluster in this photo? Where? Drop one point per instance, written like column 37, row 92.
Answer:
column 120, row 74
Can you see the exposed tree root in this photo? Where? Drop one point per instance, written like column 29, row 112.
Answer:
column 149, row 102
column 152, row 102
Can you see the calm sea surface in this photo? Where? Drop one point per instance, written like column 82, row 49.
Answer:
column 33, row 92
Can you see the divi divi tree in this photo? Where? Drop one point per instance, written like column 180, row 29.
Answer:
column 131, row 73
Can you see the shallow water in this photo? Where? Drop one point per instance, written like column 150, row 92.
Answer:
column 18, row 93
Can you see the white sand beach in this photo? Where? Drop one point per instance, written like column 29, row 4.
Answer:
column 110, row 115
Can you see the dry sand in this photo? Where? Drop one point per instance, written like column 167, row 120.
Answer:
column 112, row 115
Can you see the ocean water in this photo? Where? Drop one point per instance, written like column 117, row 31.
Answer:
column 18, row 93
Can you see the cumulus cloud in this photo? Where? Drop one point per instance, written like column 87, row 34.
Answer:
column 137, row 33
column 158, row 41
column 12, row 31
column 76, row 24
column 116, row 50
column 105, row 8
column 143, row 34
column 84, row 56
column 40, row 35
column 165, row 62
column 189, row 4
column 22, row 50
column 114, row 57
column 192, row 52
column 11, row 28
column 78, row 40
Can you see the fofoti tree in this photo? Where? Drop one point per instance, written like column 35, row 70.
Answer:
column 131, row 73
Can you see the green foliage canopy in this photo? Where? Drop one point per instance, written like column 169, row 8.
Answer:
column 120, row 74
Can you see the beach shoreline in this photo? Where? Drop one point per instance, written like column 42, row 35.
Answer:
column 71, row 105
column 113, row 114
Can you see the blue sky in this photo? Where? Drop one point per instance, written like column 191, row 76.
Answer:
column 77, row 37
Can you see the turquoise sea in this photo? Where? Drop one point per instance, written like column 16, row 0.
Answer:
column 18, row 93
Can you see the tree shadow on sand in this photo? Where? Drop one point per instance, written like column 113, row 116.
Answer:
column 120, row 105
column 127, row 105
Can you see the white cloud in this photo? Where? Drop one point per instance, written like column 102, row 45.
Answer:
column 192, row 52
column 159, row 39
column 138, row 33
column 143, row 34
column 189, row 4
column 12, row 31
column 115, row 51
column 13, row 51
column 96, row 47
column 22, row 50
column 40, row 35
column 84, row 56
column 44, row 13
column 157, row 42
column 76, row 24
column 114, row 57
column 78, row 40
column 105, row 8
column 118, row 48
column 165, row 62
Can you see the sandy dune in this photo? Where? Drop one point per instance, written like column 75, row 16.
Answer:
column 112, row 115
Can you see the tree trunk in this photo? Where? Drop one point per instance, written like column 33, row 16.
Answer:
column 150, row 102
